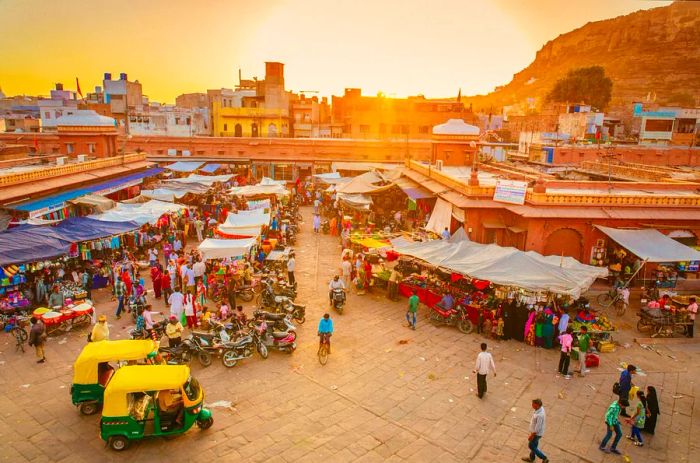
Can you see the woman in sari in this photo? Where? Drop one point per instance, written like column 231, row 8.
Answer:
column 652, row 409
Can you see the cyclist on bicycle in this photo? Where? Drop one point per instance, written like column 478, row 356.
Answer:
column 325, row 331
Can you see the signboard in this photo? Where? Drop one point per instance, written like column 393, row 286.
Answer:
column 510, row 191
column 46, row 210
column 116, row 188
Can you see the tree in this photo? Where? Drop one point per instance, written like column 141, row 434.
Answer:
column 589, row 85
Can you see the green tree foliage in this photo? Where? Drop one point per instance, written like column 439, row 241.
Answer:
column 589, row 85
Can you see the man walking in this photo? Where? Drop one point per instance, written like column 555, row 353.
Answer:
column 584, row 345
column 537, row 425
column 119, row 293
column 612, row 423
column 484, row 364
column 290, row 268
column 37, row 338
column 625, row 386
column 413, row 302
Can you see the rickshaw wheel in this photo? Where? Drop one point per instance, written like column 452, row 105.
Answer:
column 118, row 443
column 465, row 326
column 205, row 424
column 88, row 408
column 643, row 326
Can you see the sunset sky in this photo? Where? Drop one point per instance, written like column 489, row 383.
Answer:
column 400, row 47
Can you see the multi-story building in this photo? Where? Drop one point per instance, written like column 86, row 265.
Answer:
column 257, row 108
column 379, row 117
column 123, row 97
column 61, row 103
column 675, row 126
column 311, row 118
column 168, row 120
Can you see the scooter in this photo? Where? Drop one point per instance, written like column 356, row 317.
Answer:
column 237, row 350
column 338, row 297
column 280, row 321
column 283, row 341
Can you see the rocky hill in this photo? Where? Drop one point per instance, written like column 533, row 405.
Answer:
column 654, row 51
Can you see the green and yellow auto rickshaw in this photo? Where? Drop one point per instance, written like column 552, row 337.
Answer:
column 151, row 401
column 92, row 369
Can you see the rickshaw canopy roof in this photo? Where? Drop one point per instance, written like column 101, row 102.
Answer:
column 140, row 378
column 85, row 366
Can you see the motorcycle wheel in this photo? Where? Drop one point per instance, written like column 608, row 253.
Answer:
column 229, row 358
column 246, row 295
column 262, row 350
column 338, row 308
column 465, row 326
column 205, row 424
column 435, row 319
column 300, row 320
column 204, row 358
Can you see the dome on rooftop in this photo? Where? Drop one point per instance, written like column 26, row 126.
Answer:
column 85, row 118
column 456, row 127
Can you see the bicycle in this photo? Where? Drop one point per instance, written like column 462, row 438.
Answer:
column 618, row 297
column 324, row 348
column 20, row 333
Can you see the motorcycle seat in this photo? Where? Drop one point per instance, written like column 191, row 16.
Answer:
column 443, row 312
column 273, row 316
column 203, row 335
column 279, row 334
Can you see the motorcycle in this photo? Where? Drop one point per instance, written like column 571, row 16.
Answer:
column 157, row 333
column 283, row 341
column 240, row 349
column 280, row 321
column 338, row 297
column 178, row 355
column 454, row 317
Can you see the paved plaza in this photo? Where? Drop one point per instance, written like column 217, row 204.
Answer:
column 387, row 394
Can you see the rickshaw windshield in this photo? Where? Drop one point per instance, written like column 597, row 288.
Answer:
column 192, row 389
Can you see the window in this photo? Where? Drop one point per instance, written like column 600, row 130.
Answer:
column 225, row 127
column 658, row 125
column 220, row 152
column 272, row 130
column 200, row 151
column 160, row 151
column 283, row 172
column 69, row 148
column 424, row 129
column 238, row 130
column 254, row 130
column 91, row 148
column 54, row 150
column 177, row 121
column 685, row 125
column 364, row 128
column 47, row 115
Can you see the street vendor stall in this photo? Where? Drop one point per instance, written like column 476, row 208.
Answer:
column 220, row 249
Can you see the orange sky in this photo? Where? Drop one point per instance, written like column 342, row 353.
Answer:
column 400, row 47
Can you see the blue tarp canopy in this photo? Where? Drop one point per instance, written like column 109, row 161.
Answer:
column 29, row 243
column 211, row 168
column 57, row 200
column 185, row 166
column 412, row 189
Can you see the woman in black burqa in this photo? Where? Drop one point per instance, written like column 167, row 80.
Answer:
column 652, row 408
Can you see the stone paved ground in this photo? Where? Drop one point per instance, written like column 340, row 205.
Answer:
column 387, row 393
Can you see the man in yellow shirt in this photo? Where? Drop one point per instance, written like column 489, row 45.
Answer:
column 100, row 332
column 174, row 331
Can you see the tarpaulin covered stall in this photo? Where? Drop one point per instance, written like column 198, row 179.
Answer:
column 441, row 217
column 266, row 186
column 97, row 202
column 220, row 249
column 148, row 212
column 207, row 180
column 505, row 266
column 369, row 182
column 651, row 245
column 244, row 223
column 185, row 166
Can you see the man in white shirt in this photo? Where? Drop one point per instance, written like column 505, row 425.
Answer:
column 346, row 268
column 153, row 256
column 484, row 364
column 537, row 425
column 291, row 263
column 336, row 283
column 176, row 301
column 199, row 268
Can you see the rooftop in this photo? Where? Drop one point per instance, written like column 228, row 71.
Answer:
column 456, row 127
column 85, row 118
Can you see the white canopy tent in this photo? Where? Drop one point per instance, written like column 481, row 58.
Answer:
column 141, row 213
column 363, row 184
column 267, row 186
column 651, row 245
column 220, row 249
column 207, row 180
column 505, row 266
column 441, row 217
column 245, row 223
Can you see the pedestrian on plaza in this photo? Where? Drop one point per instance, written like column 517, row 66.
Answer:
column 692, row 312
column 317, row 223
column 173, row 330
column 37, row 338
column 625, row 385
column 120, row 294
column 537, row 426
column 652, row 410
column 638, row 420
column 231, row 285
column 165, row 287
column 190, row 311
column 290, row 268
column 346, row 271
column 156, row 280
column 153, row 256
column 413, row 302
column 484, row 364
column 199, row 227
column 148, row 314
column 566, row 341
column 584, row 346
column 86, row 282
column 368, row 275
column 100, row 332
column 189, row 279
column 176, row 301
column 612, row 423
column 393, row 285
column 177, row 245
column 199, row 269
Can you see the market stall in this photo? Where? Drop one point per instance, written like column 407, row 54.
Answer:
column 223, row 248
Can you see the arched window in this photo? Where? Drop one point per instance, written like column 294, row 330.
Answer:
column 254, row 130
column 272, row 130
column 238, row 130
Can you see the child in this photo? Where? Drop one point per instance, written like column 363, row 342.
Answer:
column 223, row 311
column 206, row 315
column 638, row 421
column 140, row 321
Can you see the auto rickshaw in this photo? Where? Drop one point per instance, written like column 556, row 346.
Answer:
column 151, row 401
column 92, row 370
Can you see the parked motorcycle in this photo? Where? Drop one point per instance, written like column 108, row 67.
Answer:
column 157, row 333
column 178, row 355
column 338, row 297
column 456, row 316
column 283, row 341
column 280, row 321
column 239, row 349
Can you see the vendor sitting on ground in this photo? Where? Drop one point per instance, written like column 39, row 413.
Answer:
column 585, row 315
column 447, row 302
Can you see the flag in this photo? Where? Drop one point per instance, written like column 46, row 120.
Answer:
column 459, row 96
column 77, row 85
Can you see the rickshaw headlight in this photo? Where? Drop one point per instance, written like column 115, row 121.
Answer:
column 196, row 410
